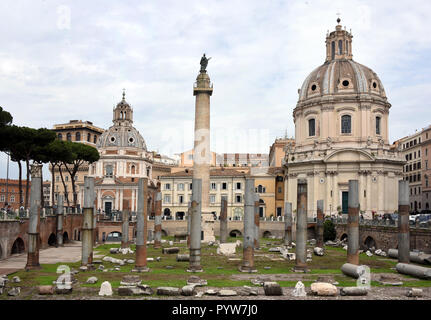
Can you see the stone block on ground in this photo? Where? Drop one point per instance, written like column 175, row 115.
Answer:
column 389, row 280
column 353, row 291
column 211, row 292
column 227, row 249
column 46, row 290
column 142, row 290
column 92, row 280
column 183, row 257
column 15, row 291
column 105, row 289
column 16, row 279
column 299, row 290
column 114, row 250
column 276, row 249
column 323, row 289
column 125, row 250
column 195, row 280
column 414, row 292
column 130, row 280
column 227, row 293
column 319, row 251
column 248, row 291
column 168, row 291
column 171, row 250
column 272, row 289
column 368, row 253
column 188, row 290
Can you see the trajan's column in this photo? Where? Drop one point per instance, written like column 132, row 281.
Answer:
column 203, row 89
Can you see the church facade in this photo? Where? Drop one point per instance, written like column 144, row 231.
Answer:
column 341, row 133
column 124, row 159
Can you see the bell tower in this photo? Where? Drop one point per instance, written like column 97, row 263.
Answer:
column 338, row 44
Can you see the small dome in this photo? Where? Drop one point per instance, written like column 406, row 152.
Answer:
column 121, row 136
column 341, row 76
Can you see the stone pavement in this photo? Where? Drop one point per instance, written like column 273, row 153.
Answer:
column 71, row 252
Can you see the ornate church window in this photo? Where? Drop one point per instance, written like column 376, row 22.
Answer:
column 346, row 124
column 312, row 127
column 109, row 171
column 340, row 47
column 78, row 136
column 69, row 137
column 333, row 50
column 378, row 120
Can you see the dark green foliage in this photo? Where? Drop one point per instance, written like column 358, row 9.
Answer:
column 329, row 232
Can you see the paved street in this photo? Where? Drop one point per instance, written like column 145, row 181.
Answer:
column 71, row 252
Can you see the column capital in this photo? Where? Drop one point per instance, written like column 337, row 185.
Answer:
column 36, row 170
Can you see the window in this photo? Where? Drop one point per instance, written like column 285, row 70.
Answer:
column 181, row 198
column 347, row 47
column 57, row 178
column 419, row 165
column 60, row 136
column 426, row 152
column 378, row 125
column 260, row 189
column 224, row 186
column 311, row 127
column 167, row 198
column 94, row 139
column 12, row 198
column 238, row 198
column 419, row 177
column 180, row 186
column 415, row 155
column 346, row 124
column 66, row 178
column 109, row 171
column 191, row 186
column 333, row 50
column 133, row 169
column 78, row 136
column 212, row 198
column 213, row 186
column 88, row 137
column 2, row 198
column 69, row 137
column 426, row 164
column 190, row 157
column 167, row 186
column 238, row 186
column 148, row 172
column 340, row 47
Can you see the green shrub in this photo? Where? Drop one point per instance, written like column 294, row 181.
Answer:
column 329, row 232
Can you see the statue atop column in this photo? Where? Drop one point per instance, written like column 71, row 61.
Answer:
column 204, row 63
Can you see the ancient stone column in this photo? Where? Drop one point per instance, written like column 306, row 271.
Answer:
column 158, row 219
column 403, row 222
column 353, row 223
column 87, row 223
column 189, row 221
column 223, row 220
column 195, row 227
column 256, row 220
column 287, row 223
column 201, row 152
column 60, row 215
column 249, row 227
column 319, row 224
column 301, row 227
column 141, row 234
column 125, row 226
column 34, row 219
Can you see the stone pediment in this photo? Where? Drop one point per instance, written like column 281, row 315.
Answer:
column 349, row 155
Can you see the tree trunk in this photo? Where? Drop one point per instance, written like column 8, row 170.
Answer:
column 20, row 184
column 27, row 163
column 52, row 184
column 66, row 194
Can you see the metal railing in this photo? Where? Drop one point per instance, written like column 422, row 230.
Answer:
column 384, row 223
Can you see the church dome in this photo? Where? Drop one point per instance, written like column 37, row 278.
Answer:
column 340, row 75
column 122, row 134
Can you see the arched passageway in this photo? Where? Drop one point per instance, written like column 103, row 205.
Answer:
column 235, row 233
column 52, row 240
column 18, row 246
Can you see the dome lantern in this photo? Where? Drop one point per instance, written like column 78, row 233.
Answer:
column 123, row 112
column 339, row 44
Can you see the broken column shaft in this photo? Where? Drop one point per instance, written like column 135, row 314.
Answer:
column 158, row 219
column 353, row 223
column 125, row 225
column 287, row 223
column 60, row 215
column 256, row 221
column 141, row 234
column 34, row 219
column 249, row 228
column 87, row 223
column 223, row 220
column 319, row 224
column 195, row 227
column 403, row 222
column 301, row 227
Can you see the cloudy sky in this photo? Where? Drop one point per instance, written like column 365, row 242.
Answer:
column 64, row 60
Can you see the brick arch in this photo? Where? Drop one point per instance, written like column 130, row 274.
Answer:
column 369, row 241
column 235, row 233
column 108, row 193
column 18, row 246
column 343, row 236
column 164, row 233
column 267, row 234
